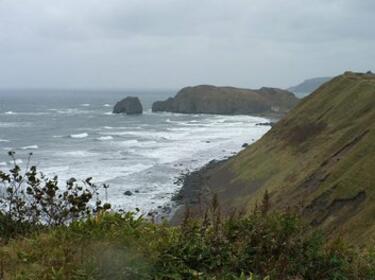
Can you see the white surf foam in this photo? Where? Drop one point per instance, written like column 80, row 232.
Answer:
column 79, row 153
column 4, row 141
column 135, row 168
column 14, row 124
column 142, row 154
column 106, row 105
column 79, row 135
column 129, row 142
column 7, row 124
column 72, row 111
column 85, row 105
column 163, row 135
column 26, row 113
column 17, row 161
column 105, row 138
column 114, row 133
column 138, row 144
column 3, row 163
column 31, row 147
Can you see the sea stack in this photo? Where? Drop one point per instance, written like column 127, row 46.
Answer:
column 129, row 105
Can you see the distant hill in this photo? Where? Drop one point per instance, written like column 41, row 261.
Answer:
column 228, row 100
column 308, row 86
column 319, row 160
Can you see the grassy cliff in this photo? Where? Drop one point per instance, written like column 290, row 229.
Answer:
column 319, row 159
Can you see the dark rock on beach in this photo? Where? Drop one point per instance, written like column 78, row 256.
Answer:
column 266, row 124
column 128, row 193
column 129, row 106
column 192, row 195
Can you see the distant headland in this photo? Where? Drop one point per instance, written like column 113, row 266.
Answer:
column 207, row 99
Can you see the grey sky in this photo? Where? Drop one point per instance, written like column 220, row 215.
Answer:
column 174, row 43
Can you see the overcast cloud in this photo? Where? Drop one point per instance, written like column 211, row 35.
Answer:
column 174, row 43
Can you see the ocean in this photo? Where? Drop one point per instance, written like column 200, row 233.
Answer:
column 74, row 134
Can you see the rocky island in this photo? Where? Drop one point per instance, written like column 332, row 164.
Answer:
column 129, row 105
column 228, row 101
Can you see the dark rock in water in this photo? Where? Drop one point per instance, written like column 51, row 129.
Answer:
column 167, row 209
column 266, row 124
column 129, row 105
column 152, row 213
column 71, row 181
column 228, row 101
column 128, row 193
column 136, row 191
column 244, row 145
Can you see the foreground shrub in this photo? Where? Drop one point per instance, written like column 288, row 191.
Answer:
column 48, row 233
column 114, row 246
column 275, row 245
column 29, row 200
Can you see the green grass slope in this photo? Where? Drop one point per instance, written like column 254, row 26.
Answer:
column 319, row 159
column 114, row 246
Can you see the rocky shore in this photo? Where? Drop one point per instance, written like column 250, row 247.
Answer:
column 193, row 195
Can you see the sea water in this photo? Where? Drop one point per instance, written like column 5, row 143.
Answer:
column 75, row 134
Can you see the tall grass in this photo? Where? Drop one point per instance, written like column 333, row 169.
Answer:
column 98, row 244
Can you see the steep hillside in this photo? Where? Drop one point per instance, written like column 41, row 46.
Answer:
column 228, row 100
column 320, row 158
column 308, row 86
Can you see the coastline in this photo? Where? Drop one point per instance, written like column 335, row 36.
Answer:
column 192, row 195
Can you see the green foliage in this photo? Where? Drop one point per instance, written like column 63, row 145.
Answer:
column 276, row 245
column 29, row 201
column 114, row 246
column 52, row 234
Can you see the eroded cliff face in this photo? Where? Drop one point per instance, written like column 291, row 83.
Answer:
column 318, row 160
column 228, row 100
